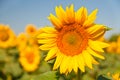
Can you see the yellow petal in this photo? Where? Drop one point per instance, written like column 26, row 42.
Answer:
column 64, row 15
column 78, row 15
column 116, row 76
column 75, row 64
column 94, row 61
column 91, row 18
column 93, row 45
column 70, row 14
column 81, row 62
column 87, row 59
column 84, row 15
column 98, row 36
column 43, row 41
column 55, row 21
column 61, row 14
column 58, row 61
column 95, row 53
column 49, row 30
column 51, row 54
column 47, row 35
column 102, row 44
column 63, row 66
column 47, row 46
column 95, row 29
column 70, row 65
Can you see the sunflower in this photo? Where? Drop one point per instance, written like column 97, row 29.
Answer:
column 73, row 40
column 30, row 58
column 7, row 36
column 33, row 41
column 112, row 48
column 31, row 29
column 116, row 76
column 118, row 45
column 22, row 41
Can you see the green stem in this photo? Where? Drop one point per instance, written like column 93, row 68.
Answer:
column 79, row 76
column 9, row 77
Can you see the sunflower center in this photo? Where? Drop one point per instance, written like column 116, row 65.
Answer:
column 32, row 30
column 30, row 57
column 4, row 36
column 72, row 40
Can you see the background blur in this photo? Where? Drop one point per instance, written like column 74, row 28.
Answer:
column 19, row 13
column 20, row 56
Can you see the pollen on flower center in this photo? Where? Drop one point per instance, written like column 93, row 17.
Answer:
column 72, row 39
column 30, row 57
column 4, row 36
column 32, row 30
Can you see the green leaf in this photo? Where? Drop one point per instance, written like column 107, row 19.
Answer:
column 50, row 75
column 13, row 51
column 1, row 66
column 26, row 77
column 44, row 67
column 101, row 77
column 2, row 55
column 13, row 68
column 1, row 79
column 108, row 28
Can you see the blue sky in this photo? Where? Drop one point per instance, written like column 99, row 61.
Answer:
column 19, row 13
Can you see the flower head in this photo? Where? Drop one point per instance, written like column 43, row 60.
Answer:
column 7, row 36
column 116, row 76
column 30, row 58
column 74, row 40
column 112, row 48
column 22, row 41
column 31, row 29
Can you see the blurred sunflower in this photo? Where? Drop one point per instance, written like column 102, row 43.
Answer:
column 74, row 40
column 31, row 29
column 118, row 45
column 22, row 41
column 7, row 36
column 116, row 76
column 30, row 58
column 112, row 48
column 33, row 41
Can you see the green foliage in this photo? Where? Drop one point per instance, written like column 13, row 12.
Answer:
column 13, row 69
column 108, row 28
column 10, row 68
column 114, row 37
column 44, row 67
column 50, row 75
column 2, row 55
column 102, row 77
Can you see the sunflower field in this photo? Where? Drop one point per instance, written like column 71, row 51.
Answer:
column 74, row 48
